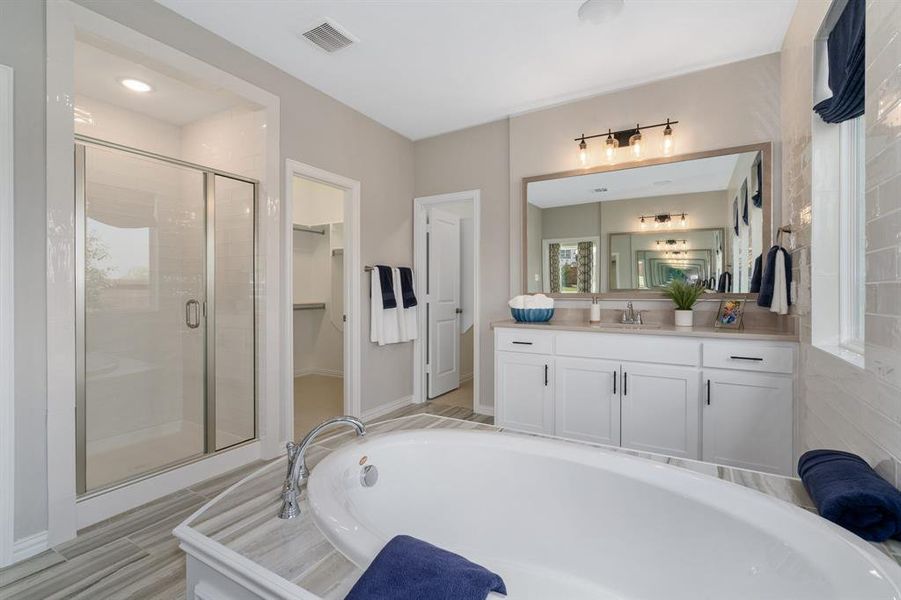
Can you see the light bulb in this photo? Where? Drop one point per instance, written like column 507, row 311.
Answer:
column 643, row 224
column 669, row 142
column 635, row 143
column 610, row 146
column 583, row 152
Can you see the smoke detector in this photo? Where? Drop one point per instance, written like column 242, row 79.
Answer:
column 329, row 36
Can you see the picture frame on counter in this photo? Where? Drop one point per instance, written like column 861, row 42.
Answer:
column 730, row 314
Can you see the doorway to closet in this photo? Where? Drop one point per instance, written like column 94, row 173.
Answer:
column 324, row 257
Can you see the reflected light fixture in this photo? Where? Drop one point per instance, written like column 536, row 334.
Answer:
column 635, row 142
column 669, row 142
column 136, row 85
column 583, row 152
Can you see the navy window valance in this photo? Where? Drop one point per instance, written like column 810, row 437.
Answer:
column 845, row 47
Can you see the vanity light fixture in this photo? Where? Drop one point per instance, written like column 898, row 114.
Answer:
column 136, row 85
column 664, row 219
column 633, row 138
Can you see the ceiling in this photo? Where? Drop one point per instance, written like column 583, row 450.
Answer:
column 175, row 98
column 684, row 177
column 426, row 67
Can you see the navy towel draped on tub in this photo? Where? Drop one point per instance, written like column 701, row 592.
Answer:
column 411, row 569
column 848, row 492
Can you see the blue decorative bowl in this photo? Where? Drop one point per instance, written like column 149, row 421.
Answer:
column 532, row 315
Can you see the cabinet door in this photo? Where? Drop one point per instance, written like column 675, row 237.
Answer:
column 524, row 391
column 748, row 420
column 660, row 409
column 587, row 399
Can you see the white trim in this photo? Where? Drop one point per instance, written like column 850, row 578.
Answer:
column 420, row 349
column 384, row 409
column 322, row 372
column 104, row 505
column 64, row 18
column 29, row 546
column 7, row 321
column 353, row 327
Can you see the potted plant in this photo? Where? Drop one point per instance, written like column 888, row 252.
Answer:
column 684, row 295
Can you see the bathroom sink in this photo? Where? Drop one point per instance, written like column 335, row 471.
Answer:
column 627, row 325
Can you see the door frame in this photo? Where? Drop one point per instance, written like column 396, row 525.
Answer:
column 421, row 206
column 7, row 320
column 353, row 328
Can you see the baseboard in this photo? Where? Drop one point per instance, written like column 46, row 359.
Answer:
column 323, row 372
column 29, row 546
column 481, row 409
column 465, row 378
column 381, row 411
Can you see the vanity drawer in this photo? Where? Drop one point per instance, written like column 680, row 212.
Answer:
column 630, row 347
column 524, row 340
column 748, row 357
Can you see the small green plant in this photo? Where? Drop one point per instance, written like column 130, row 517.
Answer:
column 682, row 293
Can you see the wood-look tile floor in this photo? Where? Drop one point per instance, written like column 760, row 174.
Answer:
column 134, row 555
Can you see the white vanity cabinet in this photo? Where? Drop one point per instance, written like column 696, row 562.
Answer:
column 727, row 401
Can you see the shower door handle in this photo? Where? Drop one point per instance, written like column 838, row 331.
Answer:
column 192, row 313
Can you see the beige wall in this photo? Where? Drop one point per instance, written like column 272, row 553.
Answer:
column 842, row 406
column 721, row 107
column 476, row 158
column 578, row 220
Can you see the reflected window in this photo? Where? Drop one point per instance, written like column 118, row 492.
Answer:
column 117, row 268
column 571, row 265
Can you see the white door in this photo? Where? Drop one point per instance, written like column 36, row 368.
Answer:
column 660, row 410
column 444, row 302
column 524, row 391
column 748, row 420
column 587, row 399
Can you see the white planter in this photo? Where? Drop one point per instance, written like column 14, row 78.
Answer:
column 684, row 318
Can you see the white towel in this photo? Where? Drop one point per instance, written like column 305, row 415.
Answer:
column 383, row 325
column 780, row 290
column 407, row 322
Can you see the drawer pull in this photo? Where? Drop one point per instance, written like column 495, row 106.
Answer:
column 754, row 358
column 708, row 392
column 614, row 382
column 523, row 343
column 545, row 375
column 625, row 384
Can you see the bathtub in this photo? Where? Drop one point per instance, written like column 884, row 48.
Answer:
column 561, row 520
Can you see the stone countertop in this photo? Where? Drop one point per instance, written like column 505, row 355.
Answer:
column 244, row 518
column 654, row 329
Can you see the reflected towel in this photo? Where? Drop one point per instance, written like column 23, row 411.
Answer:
column 848, row 492
column 410, row 569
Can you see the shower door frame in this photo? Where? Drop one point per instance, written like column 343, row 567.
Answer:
column 81, row 142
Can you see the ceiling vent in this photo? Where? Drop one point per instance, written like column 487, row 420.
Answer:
column 330, row 36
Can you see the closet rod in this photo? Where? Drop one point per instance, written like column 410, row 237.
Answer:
column 306, row 229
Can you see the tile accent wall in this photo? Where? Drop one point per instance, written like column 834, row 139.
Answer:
column 842, row 406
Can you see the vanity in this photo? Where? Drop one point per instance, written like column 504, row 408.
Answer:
column 720, row 397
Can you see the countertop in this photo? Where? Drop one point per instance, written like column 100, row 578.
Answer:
column 244, row 518
column 654, row 329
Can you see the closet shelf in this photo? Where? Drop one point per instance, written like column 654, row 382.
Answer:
column 310, row 306
column 306, row 229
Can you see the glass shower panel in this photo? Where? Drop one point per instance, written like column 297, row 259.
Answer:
column 144, row 284
column 233, row 322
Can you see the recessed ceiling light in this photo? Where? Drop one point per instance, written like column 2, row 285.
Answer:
column 136, row 85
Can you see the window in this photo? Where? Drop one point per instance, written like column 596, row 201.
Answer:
column 852, row 234
column 570, row 265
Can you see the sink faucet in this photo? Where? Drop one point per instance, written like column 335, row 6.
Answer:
column 630, row 316
column 297, row 465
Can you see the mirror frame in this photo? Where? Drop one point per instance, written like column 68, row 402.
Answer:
column 766, row 159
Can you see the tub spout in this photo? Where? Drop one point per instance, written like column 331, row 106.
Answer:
column 297, row 468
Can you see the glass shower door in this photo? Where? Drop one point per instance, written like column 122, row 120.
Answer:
column 141, row 400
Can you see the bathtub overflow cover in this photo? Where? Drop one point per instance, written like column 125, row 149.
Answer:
column 369, row 476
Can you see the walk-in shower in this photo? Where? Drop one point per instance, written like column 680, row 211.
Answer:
column 165, row 329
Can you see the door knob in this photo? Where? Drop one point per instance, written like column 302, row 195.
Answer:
column 459, row 311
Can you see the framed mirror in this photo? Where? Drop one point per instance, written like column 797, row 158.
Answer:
column 635, row 227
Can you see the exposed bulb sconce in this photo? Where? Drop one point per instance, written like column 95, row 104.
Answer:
column 610, row 146
column 635, row 143
column 667, row 244
column 633, row 138
column 664, row 219
column 669, row 142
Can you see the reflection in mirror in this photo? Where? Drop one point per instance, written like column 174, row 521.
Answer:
column 639, row 228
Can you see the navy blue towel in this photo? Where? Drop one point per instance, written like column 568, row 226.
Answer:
column 851, row 494
column 406, row 287
column 410, row 569
column 768, row 279
column 386, row 279
column 744, row 203
column 725, row 282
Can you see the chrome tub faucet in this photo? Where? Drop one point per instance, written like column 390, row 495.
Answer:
column 297, row 465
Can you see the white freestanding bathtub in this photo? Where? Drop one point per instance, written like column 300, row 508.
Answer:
column 566, row 521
